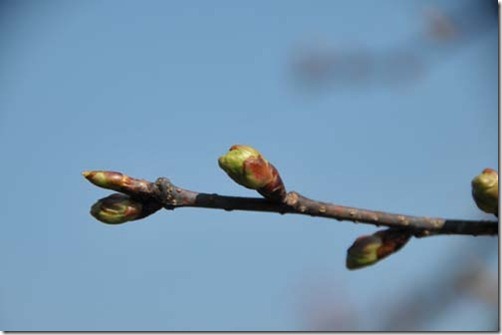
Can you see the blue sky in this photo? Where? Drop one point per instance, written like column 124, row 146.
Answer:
column 163, row 88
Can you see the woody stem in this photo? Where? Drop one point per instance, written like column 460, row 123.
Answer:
column 172, row 197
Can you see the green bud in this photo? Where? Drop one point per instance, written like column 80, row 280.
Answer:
column 368, row 250
column 233, row 163
column 247, row 167
column 118, row 182
column 363, row 252
column 485, row 191
column 108, row 179
column 116, row 209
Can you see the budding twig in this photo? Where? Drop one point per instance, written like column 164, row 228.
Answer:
column 171, row 197
column 247, row 167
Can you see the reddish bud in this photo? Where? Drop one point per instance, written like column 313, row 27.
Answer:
column 247, row 167
column 117, row 181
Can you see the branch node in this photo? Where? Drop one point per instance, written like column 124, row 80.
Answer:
column 291, row 199
column 164, row 193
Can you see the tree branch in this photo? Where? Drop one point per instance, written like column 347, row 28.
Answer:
column 170, row 197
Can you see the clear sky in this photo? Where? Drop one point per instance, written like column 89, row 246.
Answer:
column 162, row 88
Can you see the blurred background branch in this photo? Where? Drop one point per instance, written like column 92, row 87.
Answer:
column 322, row 65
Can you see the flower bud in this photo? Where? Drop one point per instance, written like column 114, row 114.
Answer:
column 485, row 191
column 117, row 181
column 368, row 250
column 247, row 167
column 363, row 252
column 116, row 208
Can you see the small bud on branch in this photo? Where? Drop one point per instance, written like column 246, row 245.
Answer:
column 367, row 250
column 485, row 191
column 120, row 208
column 247, row 167
column 119, row 182
column 116, row 208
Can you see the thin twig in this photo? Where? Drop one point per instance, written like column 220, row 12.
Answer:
column 171, row 197
column 163, row 193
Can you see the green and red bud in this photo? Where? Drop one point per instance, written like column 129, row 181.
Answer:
column 247, row 167
column 367, row 250
column 485, row 191
column 116, row 208
column 117, row 181
column 120, row 208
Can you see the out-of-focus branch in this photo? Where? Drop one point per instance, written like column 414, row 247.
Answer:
column 322, row 65
column 469, row 275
